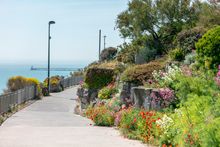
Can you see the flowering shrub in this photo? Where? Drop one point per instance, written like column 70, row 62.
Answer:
column 167, row 134
column 100, row 115
column 163, row 96
column 107, row 92
column 140, row 124
column 217, row 78
column 164, row 79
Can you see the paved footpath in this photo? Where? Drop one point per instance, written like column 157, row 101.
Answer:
column 51, row 123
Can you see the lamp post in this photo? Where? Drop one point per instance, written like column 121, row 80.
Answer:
column 49, row 37
column 100, row 34
column 104, row 41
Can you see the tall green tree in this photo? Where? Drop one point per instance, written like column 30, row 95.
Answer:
column 159, row 20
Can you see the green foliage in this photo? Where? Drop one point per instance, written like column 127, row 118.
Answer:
column 146, row 54
column 107, row 92
column 187, row 38
column 140, row 73
column 190, row 58
column 208, row 48
column 196, row 121
column 101, row 115
column 159, row 20
column 177, row 54
column 96, row 77
column 209, row 15
column 18, row 82
column 108, row 54
column 127, row 53
column 55, row 84
column 140, row 124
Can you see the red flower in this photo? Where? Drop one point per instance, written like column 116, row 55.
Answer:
column 135, row 120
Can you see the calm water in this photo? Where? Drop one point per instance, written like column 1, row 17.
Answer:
column 7, row 71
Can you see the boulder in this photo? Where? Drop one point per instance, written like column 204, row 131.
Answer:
column 142, row 98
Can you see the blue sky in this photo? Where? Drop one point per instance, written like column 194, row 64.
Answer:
column 23, row 29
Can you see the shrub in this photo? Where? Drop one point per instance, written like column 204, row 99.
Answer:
column 101, row 115
column 16, row 83
column 139, row 74
column 177, row 54
column 190, row 58
column 145, row 54
column 107, row 92
column 186, row 39
column 208, row 48
column 164, row 96
column 97, row 78
column 55, row 83
column 217, row 78
column 166, row 78
column 108, row 54
column 140, row 124
column 127, row 53
column 19, row 82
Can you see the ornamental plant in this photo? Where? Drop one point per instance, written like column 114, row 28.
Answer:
column 100, row 115
column 208, row 48
column 107, row 92
column 163, row 96
column 167, row 134
column 165, row 78
column 140, row 124
column 217, row 78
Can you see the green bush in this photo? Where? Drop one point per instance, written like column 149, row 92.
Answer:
column 107, row 92
column 127, row 53
column 139, row 74
column 190, row 58
column 208, row 48
column 97, row 78
column 100, row 115
column 196, row 120
column 177, row 54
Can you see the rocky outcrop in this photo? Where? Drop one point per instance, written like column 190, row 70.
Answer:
column 141, row 98
column 86, row 96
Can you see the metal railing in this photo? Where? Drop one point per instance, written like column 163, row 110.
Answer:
column 30, row 92
column 16, row 98
column 71, row 81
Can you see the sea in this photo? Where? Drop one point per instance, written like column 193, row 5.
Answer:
column 7, row 71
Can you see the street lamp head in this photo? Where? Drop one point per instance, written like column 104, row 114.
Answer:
column 51, row 22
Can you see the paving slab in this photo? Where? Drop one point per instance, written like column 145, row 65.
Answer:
column 51, row 122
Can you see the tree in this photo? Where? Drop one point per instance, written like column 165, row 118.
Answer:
column 159, row 20
column 210, row 14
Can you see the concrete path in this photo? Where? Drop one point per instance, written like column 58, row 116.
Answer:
column 51, row 123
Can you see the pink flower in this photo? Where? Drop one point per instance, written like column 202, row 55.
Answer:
column 150, row 82
column 218, row 74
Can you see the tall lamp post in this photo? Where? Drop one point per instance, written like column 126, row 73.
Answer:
column 104, row 41
column 100, row 35
column 49, row 37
